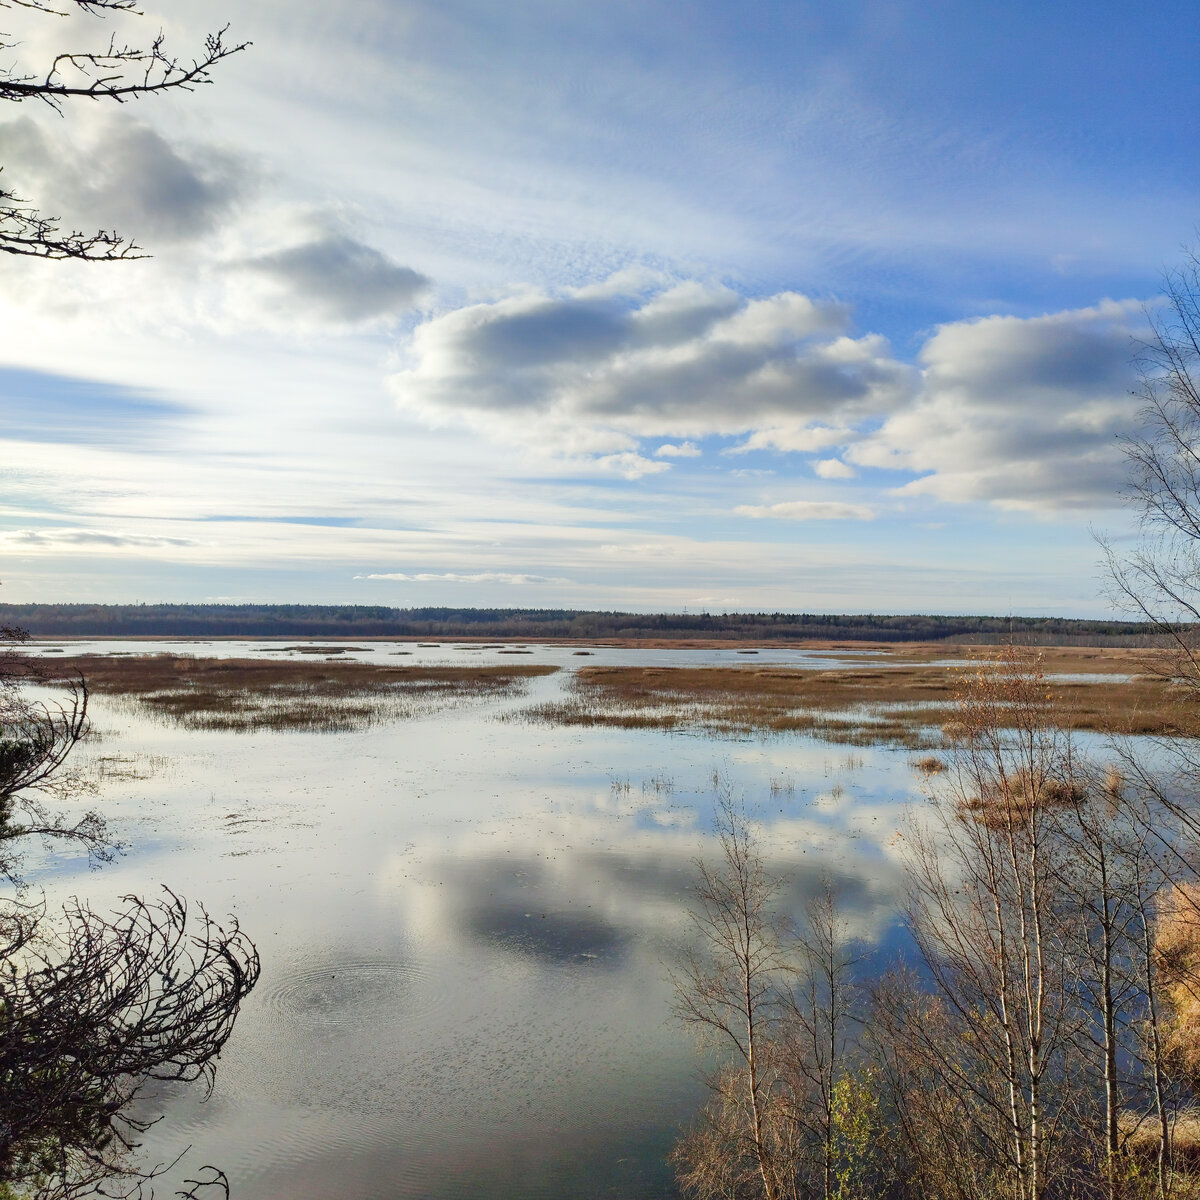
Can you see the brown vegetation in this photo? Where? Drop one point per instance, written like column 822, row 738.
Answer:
column 246, row 694
column 870, row 704
column 1177, row 956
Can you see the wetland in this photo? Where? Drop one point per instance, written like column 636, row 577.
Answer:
column 468, row 876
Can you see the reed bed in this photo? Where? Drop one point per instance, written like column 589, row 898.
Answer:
column 255, row 694
column 903, row 705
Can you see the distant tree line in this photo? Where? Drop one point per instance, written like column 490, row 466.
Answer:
column 361, row 621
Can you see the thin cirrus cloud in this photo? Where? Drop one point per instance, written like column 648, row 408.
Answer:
column 58, row 539
column 807, row 510
column 501, row 577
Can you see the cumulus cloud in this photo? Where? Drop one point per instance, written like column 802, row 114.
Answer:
column 629, row 465
column 1015, row 412
column 1019, row 412
column 454, row 577
column 126, row 176
column 834, row 468
column 684, row 361
column 333, row 277
column 807, row 510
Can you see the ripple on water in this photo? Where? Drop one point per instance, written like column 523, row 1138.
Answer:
column 351, row 993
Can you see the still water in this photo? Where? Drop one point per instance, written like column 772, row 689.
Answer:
column 466, row 923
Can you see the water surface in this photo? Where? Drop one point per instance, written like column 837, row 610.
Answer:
column 466, row 924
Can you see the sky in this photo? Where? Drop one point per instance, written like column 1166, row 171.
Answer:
column 694, row 305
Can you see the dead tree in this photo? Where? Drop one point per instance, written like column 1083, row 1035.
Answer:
column 118, row 71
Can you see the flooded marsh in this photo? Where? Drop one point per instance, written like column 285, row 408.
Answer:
column 239, row 694
column 465, row 916
column 896, row 704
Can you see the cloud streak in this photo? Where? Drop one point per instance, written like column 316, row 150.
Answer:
column 500, row 577
column 807, row 510
column 54, row 539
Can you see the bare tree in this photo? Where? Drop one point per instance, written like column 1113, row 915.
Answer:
column 1160, row 579
column 790, row 1117
column 728, row 989
column 820, row 1021
column 117, row 72
column 986, row 909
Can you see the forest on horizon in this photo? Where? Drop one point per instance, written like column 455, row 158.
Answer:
column 370, row 621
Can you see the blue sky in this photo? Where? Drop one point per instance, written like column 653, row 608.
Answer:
column 616, row 305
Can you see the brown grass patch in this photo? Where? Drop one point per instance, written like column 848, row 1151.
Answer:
column 1140, row 1135
column 1015, row 797
column 1177, row 957
column 253, row 694
column 905, row 705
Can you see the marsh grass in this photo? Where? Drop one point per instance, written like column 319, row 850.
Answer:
column 1015, row 797
column 253, row 694
column 661, row 784
column 902, row 705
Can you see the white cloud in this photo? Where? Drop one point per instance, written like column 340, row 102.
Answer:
column 631, row 466
column 789, row 439
column 684, row 362
column 335, row 278
column 454, row 577
column 834, row 468
column 1017, row 412
column 1022, row 413
column 60, row 539
column 807, row 510
column 182, row 192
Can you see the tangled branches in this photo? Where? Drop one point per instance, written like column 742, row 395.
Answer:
column 90, row 1013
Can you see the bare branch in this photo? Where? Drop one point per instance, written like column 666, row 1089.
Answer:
column 119, row 72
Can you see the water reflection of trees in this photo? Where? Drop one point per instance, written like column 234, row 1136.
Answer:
column 94, row 1006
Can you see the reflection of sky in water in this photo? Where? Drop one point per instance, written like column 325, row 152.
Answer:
column 465, row 927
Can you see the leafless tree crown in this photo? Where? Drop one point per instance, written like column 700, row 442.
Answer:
column 118, row 71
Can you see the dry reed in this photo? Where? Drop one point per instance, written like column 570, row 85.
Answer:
column 253, row 694
column 907, row 705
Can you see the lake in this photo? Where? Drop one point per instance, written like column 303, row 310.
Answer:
column 466, row 922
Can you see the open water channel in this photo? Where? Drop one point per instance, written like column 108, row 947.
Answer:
column 466, row 923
